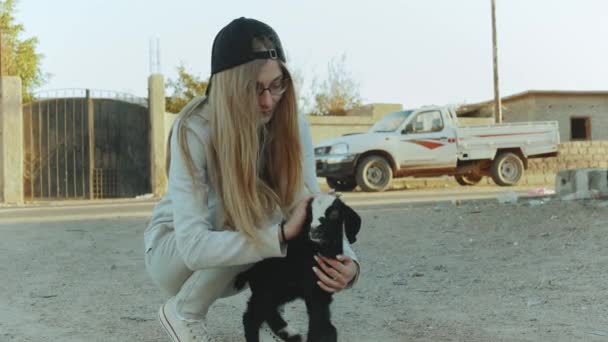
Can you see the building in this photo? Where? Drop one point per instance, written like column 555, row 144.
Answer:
column 582, row 115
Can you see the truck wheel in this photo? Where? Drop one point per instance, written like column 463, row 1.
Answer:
column 374, row 174
column 341, row 184
column 466, row 180
column 507, row 169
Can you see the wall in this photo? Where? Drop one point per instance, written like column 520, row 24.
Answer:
column 573, row 155
column 375, row 110
column 521, row 109
column 563, row 108
column 325, row 127
column 356, row 120
column 475, row 121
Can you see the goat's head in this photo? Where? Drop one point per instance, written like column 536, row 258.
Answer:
column 329, row 219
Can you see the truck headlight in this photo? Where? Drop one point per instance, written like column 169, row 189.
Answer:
column 339, row 149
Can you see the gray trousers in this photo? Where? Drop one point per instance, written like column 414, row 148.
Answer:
column 194, row 291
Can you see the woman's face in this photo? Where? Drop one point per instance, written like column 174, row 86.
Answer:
column 270, row 87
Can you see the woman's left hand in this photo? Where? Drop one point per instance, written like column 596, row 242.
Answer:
column 335, row 274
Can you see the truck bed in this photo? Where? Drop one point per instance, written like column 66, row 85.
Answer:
column 482, row 141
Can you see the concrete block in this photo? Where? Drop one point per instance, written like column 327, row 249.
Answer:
column 582, row 183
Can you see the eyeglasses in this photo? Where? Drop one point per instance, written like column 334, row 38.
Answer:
column 276, row 88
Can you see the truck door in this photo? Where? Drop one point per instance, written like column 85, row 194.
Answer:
column 427, row 142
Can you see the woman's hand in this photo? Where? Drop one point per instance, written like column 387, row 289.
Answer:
column 293, row 226
column 335, row 274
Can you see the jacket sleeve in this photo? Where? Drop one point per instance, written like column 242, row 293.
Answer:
column 199, row 245
column 311, row 183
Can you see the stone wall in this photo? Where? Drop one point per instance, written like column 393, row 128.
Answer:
column 572, row 155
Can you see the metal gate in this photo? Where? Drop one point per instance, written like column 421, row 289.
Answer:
column 86, row 144
column 56, row 149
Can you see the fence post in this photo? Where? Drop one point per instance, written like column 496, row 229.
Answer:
column 11, row 140
column 91, row 120
column 156, row 106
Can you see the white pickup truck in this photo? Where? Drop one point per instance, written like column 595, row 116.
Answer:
column 427, row 142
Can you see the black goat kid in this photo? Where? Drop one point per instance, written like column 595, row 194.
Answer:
column 276, row 281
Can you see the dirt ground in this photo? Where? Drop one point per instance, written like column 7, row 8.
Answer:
column 478, row 271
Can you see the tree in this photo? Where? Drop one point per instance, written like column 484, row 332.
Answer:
column 303, row 93
column 339, row 92
column 184, row 88
column 19, row 56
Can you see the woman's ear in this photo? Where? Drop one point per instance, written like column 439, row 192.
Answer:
column 352, row 224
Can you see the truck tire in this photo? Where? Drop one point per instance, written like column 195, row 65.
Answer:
column 507, row 169
column 341, row 184
column 374, row 174
column 466, row 180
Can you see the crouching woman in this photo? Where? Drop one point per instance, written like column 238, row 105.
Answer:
column 239, row 163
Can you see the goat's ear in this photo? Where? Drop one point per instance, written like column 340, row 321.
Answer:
column 352, row 224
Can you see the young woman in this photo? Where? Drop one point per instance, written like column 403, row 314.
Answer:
column 241, row 173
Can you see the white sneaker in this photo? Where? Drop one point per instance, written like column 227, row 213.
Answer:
column 181, row 330
column 286, row 334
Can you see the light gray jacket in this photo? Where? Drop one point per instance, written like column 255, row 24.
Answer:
column 195, row 214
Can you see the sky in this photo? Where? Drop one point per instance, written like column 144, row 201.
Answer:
column 411, row 52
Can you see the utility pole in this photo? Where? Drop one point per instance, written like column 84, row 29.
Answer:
column 497, row 102
column 1, row 52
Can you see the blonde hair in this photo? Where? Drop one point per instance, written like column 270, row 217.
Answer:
column 254, row 168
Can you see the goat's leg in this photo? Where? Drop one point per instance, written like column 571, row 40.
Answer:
column 320, row 328
column 257, row 312
column 278, row 326
column 276, row 321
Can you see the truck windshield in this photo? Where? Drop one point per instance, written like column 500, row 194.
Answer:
column 390, row 122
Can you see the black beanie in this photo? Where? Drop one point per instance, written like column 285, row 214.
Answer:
column 233, row 45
